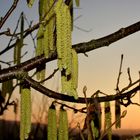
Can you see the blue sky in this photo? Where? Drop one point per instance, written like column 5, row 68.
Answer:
column 100, row 69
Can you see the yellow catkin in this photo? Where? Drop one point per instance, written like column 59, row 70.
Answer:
column 59, row 29
column 19, row 43
column 45, row 40
column 67, row 58
column 40, row 72
column 67, row 40
column 77, row 2
column 45, row 43
column 25, row 115
column 74, row 69
column 95, row 131
column 52, row 124
column 48, row 41
column 64, row 84
column 71, row 13
column 17, row 52
column 30, row 3
column 40, row 36
column 108, row 120
column 7, row 87
column 51, row 34
column 41, row 3
column 51, row 25
column 63, row 125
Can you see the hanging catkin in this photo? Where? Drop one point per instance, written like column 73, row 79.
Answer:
column 45, row 34
column 63, row 125
column 19, row 43
column 52, row 123
column 108, row 120
column 77, row 2
column 30, row 3
column 67, row 57
column 25, row 115
column 7, row 88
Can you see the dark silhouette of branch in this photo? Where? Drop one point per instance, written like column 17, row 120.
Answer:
column 50, row 76
column 8, row 13
column 7, row 32
column 80, row 48
column 59, row 96
column 119, row 75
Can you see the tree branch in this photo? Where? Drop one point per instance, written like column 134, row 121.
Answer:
column 80, row 48
column 59, row 96
column 8, row 13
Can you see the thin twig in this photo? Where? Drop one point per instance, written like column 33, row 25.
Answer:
column 118, row 79
column 129, row 76
column 75, row 110
column 81, row 29
column 135, row 104
column 87, row 120
column 81, row 133
column 129, row 86
column 29, row 25
column 14, row 32
column 50, row 76
column 3, row 20
column 105, row 132
column 7, row 32
column 7, row 63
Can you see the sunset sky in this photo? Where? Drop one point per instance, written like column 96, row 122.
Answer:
column 100, row 69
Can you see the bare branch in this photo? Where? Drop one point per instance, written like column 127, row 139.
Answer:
column 52, row 94
column 120, row 72
column 129, row 76
column 8, row 13
column 50, row 76
column 80, row 48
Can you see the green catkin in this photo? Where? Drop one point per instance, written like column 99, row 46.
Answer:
column 50, row 34
column 25, row 115
column 74, row 69
column 17, row 52
column 41, row 4
column 40, row 36
column 52, row 123
column 39, row 50
column 117, row 114
column 108, row 120
column 95, row 131
column 51, row 25
column 63, row 125
column 77, row 2
column 67, row 58
column 30, row 3
column 19, row 43
column 46, row 42
column 59, row 29
column 21, row 37
column 42, row 9
column 68, row 38
column 64, row 83
column 7, row 87
column 40, row 72
column 71, row 13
